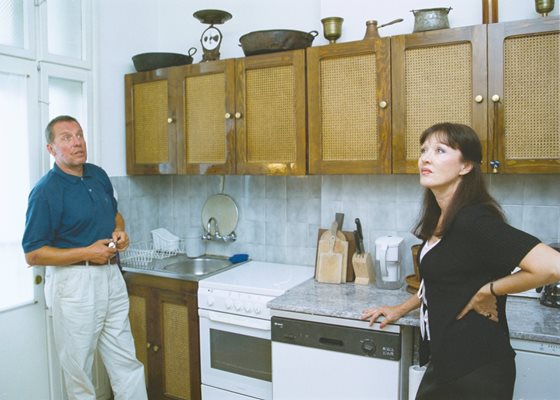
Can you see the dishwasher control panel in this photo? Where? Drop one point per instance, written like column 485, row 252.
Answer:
column 344, row 339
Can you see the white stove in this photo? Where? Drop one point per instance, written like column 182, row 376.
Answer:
column 235, row 329
column 245, row 290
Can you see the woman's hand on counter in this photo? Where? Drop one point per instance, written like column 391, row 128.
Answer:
column 391, row 313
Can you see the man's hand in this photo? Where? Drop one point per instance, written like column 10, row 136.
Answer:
column 120, row 238
column 100, row 252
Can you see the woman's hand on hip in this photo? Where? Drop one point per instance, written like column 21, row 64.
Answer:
column 484, row 303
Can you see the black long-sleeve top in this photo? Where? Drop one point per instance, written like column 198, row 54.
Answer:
column 478, row 248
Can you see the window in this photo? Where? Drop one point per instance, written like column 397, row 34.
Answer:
column 44, row 71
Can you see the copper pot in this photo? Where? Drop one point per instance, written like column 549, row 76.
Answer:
column 372, row 28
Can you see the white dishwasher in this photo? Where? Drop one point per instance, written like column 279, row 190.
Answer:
column 327, row 358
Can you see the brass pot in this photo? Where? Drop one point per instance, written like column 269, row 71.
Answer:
column 543, row 7
column 332, row 28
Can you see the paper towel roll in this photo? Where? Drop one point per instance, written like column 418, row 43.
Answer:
column 415, row 374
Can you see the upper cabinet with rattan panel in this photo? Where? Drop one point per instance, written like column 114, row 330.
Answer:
column 270, row 114
column 206, row 130
column 524, row 96
column 244, row 116
column 349, row 107
column 150, row 123
column 437, row 76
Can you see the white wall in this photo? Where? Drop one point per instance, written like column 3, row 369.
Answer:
column 129, row 27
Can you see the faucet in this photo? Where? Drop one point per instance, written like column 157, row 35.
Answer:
column 217, row 236
column 208, row 235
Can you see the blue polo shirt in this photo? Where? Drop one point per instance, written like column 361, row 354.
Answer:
column 67, row 211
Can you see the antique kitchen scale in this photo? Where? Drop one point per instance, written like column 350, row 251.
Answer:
column 211, row 38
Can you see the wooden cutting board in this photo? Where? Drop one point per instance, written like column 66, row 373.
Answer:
column 330, row 260
column 345, row 245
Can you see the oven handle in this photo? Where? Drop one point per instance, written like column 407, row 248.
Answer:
column 263, row 325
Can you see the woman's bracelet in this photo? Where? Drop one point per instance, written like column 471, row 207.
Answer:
column 492, row 289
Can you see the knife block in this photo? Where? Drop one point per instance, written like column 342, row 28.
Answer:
column 363, row 268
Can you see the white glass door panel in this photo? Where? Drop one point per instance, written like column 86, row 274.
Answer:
column 66, row 33
column 17, row 28
column 22, row 313
column 67, row 91
column 18, row 171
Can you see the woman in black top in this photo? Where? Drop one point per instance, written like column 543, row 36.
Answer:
column 468, row 254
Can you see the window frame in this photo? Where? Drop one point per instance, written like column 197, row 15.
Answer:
column 29, row 49
column 85, row 61
column 47, row 71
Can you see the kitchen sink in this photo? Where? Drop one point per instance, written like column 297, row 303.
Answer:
column 197, row 266
column 183, row 267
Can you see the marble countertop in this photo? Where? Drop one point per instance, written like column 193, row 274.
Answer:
column 527, row 318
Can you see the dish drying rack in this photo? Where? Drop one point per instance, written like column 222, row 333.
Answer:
column 163, row 245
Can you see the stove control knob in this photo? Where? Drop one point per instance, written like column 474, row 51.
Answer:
column 368, row 347
column 210, row 301
column 258, row 309
column 229, row 304
column 237, row 305
column 248, row 308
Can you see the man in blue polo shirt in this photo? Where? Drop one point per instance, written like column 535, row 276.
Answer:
column 73, row 227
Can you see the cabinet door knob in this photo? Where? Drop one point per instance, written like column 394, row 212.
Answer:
column 155, row 348
column 383, row 104
column 169, row 120
column 237, row 115
column 148, row 345
column 479, row 99
column 495, row 98
column 228, row 115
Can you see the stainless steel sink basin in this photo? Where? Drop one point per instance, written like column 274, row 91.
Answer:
column 182, row 267
column 197, row 266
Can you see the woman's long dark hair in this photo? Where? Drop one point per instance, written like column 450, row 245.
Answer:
column 471, row 189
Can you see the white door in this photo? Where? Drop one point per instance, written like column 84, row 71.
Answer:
column 24, row 372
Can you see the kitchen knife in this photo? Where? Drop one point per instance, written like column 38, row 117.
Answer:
column 360, row 234
column 359, row 248
column 339, row 218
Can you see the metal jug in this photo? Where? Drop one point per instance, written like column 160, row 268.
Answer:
column 429, row 19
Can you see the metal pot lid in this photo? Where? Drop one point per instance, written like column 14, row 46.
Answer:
column 223, row 209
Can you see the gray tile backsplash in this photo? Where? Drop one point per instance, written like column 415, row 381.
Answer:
column 279, row 217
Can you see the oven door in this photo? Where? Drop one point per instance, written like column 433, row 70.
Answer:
column 235, row 353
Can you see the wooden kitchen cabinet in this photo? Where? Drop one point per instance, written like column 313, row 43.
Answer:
column 151, row 137
column 244, row 116
column 502, row 79
column 270, row 101
column 524, row 95
column 438, row 76
column 164, row 322
column 349, row 107
column 205, row 117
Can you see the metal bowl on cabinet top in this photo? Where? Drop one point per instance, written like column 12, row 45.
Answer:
column 274, row 40
column 148, row 61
